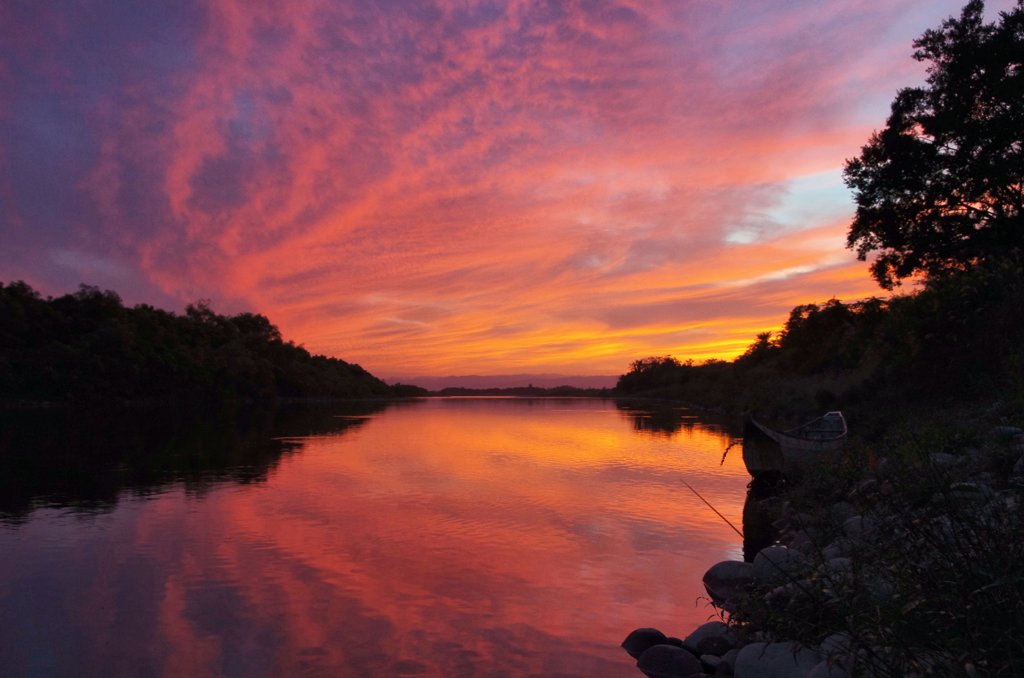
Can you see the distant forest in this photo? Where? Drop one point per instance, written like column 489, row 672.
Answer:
column 958, row 338
column 90, row 346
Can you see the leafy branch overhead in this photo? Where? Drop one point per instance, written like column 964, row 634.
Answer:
column 941, row 187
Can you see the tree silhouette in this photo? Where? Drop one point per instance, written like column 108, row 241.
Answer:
column 942, row 186
column 89, row 346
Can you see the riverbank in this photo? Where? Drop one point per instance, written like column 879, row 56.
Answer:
column 902, row 559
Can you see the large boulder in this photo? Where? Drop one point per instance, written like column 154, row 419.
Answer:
column 726, row 580
column 775, row 660
column 711, row 638
column 777, row 564
column 668, row 661
column 637, row 642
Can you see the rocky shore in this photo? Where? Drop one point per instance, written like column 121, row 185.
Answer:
column 908, row 564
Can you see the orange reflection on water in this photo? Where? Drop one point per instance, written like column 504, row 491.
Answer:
column 453, row 537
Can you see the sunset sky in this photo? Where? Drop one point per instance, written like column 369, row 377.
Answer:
column 452, row 187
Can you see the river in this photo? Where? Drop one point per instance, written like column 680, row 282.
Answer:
column 435, row 537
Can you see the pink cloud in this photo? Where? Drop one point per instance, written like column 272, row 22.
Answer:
column 441, row 186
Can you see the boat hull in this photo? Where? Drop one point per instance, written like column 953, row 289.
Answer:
column 761, row 454
column 767, row 451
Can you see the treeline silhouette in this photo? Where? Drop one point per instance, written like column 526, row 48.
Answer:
column 90, row 346
column 526, row 392
column 958, row 338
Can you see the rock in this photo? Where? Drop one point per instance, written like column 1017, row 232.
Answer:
column 882, row 588
column 864, row 488
column 775, row 660
column 836, row 645
column 986, row 478
column 668, row 661
column 856, row 527
column 706, row 630
column 776, row 564
column 639, row 640
column 943, row 459
column 1005, row 433
column 803, row 540
column 780, row 595
column 715, row 645
column 971, row 493
column 729, row 658
column 837, row 549
column 842, row 510
column 710, row 662
column 1018, row 468
column 840, row 564
column 714, row 630
column 826, row 670
column 727, row 580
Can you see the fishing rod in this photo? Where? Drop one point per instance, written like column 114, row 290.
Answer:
column 727, row 522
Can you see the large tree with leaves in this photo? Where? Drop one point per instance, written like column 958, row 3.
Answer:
column 942, row 186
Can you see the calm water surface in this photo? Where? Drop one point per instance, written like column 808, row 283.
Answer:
column 443, row 537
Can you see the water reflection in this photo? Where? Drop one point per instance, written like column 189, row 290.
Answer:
column 758, row 517
column 451, row 537
column 86, row 459
column 667, row 418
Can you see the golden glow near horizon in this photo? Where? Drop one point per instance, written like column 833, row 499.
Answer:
column 441, row 187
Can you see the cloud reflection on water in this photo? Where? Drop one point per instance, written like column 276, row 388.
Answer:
column 454, row 537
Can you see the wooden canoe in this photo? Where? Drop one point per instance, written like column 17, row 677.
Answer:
column 766, row 450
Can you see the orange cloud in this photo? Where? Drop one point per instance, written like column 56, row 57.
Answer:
column 460, row 187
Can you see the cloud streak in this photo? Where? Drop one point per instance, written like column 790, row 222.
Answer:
column 433, row 187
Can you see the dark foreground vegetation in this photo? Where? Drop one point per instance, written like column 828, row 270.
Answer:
column 902, row 555
column 89, row 346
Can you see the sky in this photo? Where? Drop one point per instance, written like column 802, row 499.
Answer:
column 452, row 187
